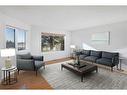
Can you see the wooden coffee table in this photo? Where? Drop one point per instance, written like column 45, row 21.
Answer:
column 81, row 70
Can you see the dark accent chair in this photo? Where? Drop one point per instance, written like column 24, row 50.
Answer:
column 29, row 62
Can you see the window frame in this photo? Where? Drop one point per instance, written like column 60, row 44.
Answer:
column 24, row 39
column 15, row 37
column 53, row 35
column 6, row 38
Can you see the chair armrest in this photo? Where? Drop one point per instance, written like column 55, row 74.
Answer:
column 39, row 64
column 38, row 58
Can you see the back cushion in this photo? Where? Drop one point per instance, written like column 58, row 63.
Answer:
column 107, row 54
column 25, row 56
column 86, row 52
column 95, row 53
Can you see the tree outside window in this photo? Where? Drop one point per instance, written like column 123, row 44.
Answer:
column 52, row 42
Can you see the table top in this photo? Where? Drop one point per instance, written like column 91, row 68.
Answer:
column 7, row 69
column 84, row 66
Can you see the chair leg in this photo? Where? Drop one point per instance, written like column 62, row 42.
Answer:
column 117, row 66
column 36, row 72
column 44, row 65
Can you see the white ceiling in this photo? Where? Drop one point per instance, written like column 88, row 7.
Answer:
column 66, row 17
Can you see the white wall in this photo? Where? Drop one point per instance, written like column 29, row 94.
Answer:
column 36, row 43
column 118, row 37
column 6, row 20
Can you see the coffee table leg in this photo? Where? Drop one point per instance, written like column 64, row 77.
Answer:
column 81, row 78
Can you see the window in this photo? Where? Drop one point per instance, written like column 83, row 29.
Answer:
column 10, row 37
column 15, row 38
column 21, row 39
column 52, row 42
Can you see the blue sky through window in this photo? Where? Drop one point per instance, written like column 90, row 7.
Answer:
column 9, row 32
column 20, row 35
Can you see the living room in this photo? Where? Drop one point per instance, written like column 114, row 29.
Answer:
column 58, row 33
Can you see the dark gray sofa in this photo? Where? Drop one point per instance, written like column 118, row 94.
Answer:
column 29, row 62
column 100, row 57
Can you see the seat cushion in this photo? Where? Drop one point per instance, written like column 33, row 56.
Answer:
column 91, row 58
column 104, row 61
column 81, row 57
column 95, row 53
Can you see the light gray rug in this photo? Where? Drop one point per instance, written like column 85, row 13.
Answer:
column 65, row 79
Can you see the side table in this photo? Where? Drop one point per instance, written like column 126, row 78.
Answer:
column 9, row 75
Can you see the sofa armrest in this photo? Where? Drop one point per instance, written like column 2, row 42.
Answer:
column 115, row 60
column 38, row 58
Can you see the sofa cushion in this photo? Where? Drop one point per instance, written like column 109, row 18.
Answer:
column 95, row 53
column 104, row 61
column 91, row 58
column 78, row 53
column 108, row 55
column 86, row 52
column 81, row 57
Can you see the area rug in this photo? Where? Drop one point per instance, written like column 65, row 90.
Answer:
column 104, row 79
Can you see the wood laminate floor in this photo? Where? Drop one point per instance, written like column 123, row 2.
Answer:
column 29, row 80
